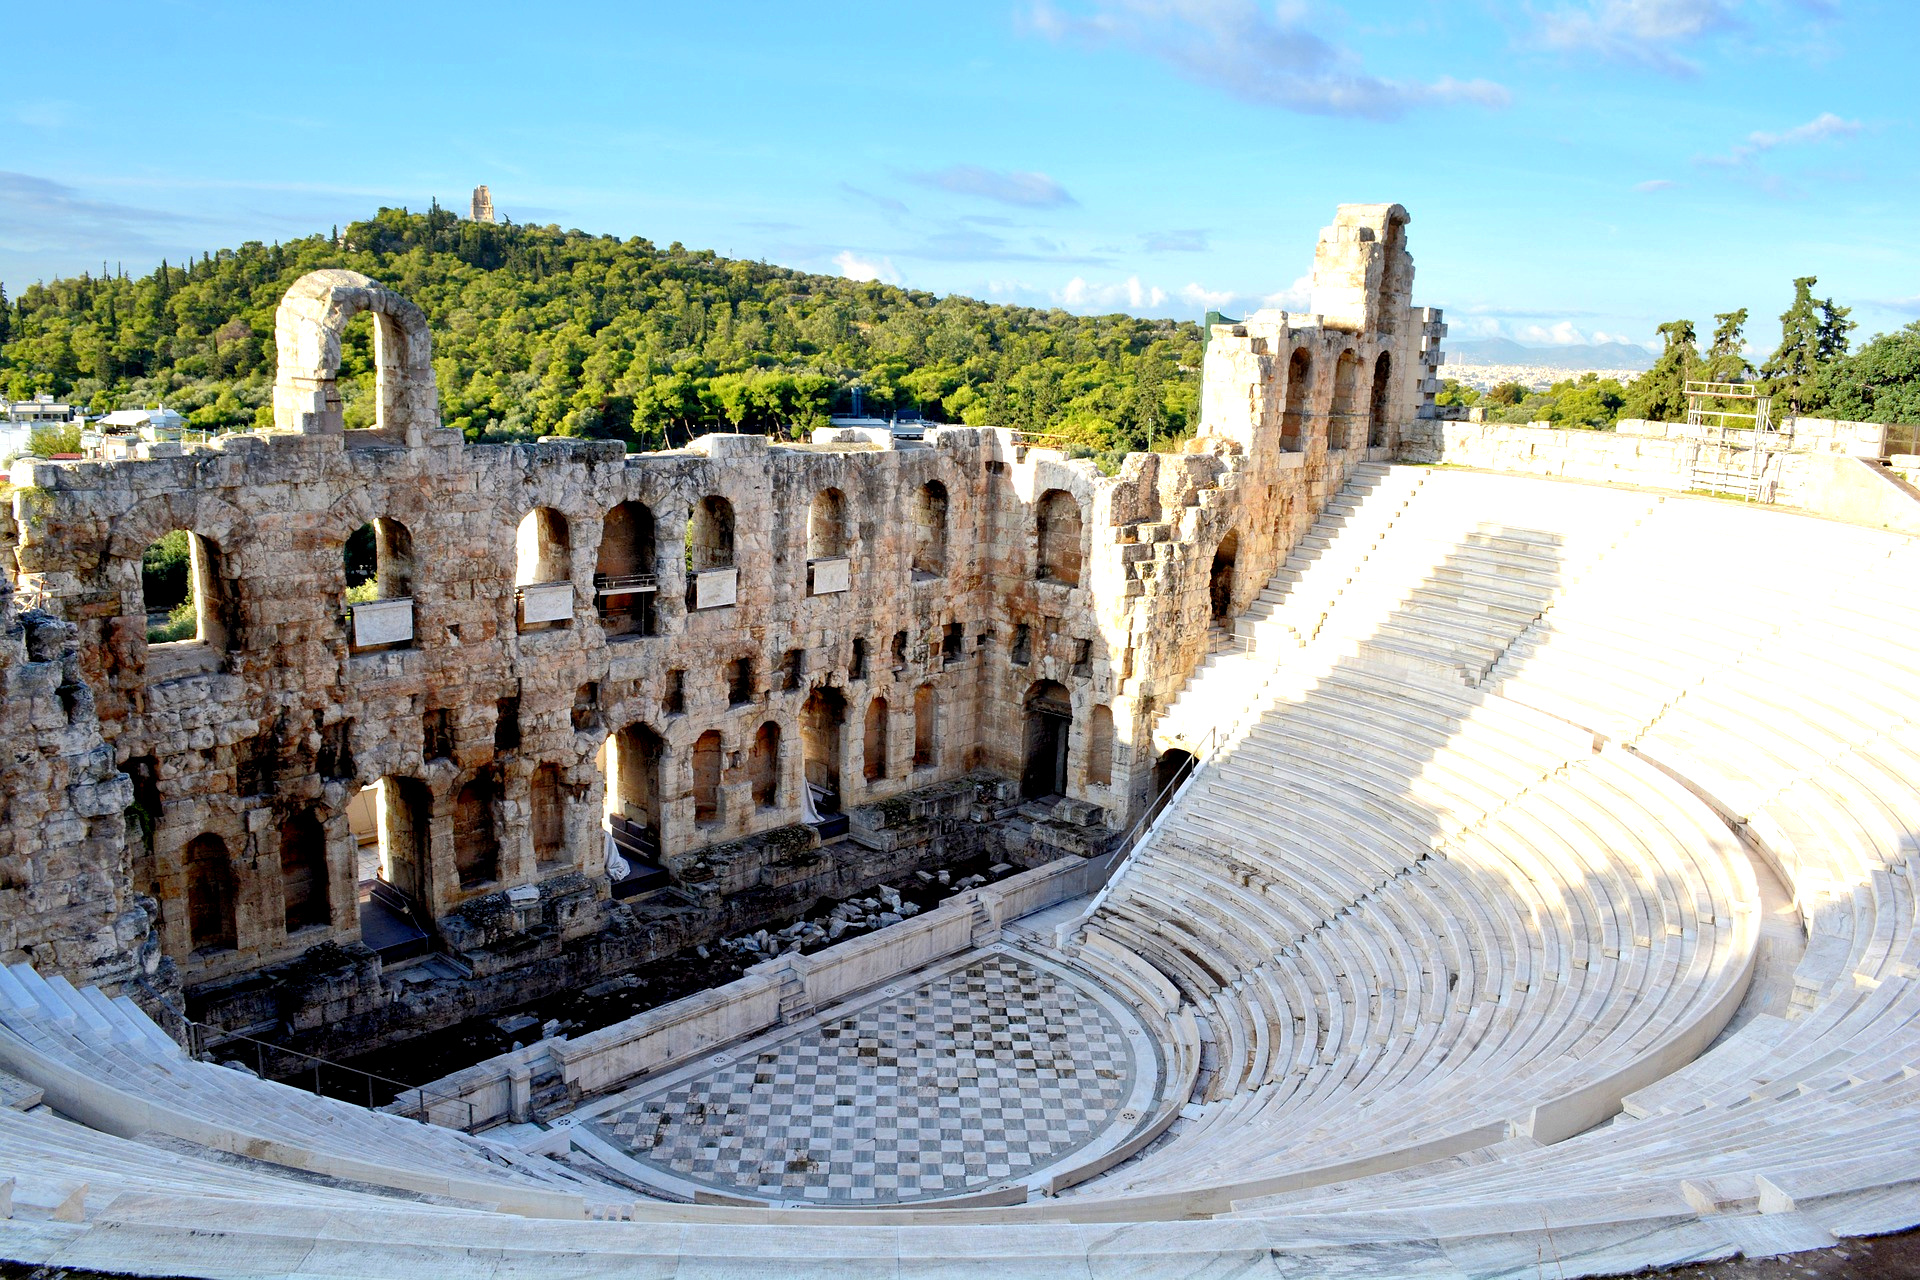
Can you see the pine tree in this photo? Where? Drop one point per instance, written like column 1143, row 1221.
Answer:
column 6, row 316
column 1726, row 358
column 1792, row 366
column 1660, row 394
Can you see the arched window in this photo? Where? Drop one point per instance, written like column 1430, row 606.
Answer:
column 547, row 801
column 1049, row 728
column 209, row 871
column 821, row 722
column 623, row 576
column 1220, row 578
column 1057, row 529
column 405, row 818
column 379, row 565
column 706, row 777
column 476, row 850
column 1342, row 419
column 1100, row 747
column 543, row 567
column 765, row 765
column 182, row 590
column 710, row 535
column 876, row 747
column 827, row 525
column 926, row 727
column 543, row 548
column 1379, row 432
column 303, row 871
column 930, row 530
column 379, row 560
column 1299, row 400
column 634, row 789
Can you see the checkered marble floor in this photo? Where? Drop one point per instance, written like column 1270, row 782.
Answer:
column 983, row 1074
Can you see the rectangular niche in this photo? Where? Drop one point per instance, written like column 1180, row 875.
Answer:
column 714, row 588
column 826, row 577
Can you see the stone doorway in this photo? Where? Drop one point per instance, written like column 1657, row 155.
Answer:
column 822, row 724
column 1049, row 731
column 1220, row 577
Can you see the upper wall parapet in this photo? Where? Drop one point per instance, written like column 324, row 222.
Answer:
column 1362, row 272
column 307, row 330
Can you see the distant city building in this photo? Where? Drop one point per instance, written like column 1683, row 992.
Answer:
column 482, row 207
column 41, row 411
column 151, row 424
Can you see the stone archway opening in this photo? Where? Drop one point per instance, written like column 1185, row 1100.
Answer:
column 1049, row 730
column 1220, row 578
column 1381, row 403
column 822, row 743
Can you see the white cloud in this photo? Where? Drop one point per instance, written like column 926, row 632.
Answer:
column 1022, row 190
column 1203, row 299
column 1825, row 127
column 1268, row 57
column 1297, row 296
column 855, row 267
column 1656, row 184
column 1083, row 294
column 1646, row 32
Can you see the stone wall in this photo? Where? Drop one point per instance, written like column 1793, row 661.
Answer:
column 1820, row 465
column 881, row 619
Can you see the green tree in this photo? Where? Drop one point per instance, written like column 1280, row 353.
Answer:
column 46, row 442
column 6, row 316
column 1878, row 383
column 1454, row 392
column 1660, row 394
column 1506, row 394
column 1726, row 358
column 1813, row 334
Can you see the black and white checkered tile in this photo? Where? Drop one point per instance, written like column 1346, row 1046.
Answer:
column 981, row 1075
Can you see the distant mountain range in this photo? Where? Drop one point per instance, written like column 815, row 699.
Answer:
column 1606, row 355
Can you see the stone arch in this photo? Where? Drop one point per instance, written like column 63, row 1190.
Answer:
column 476, row 844
column 874, row 757
column 380, row 552
column 635, row 778
column 304, row 879
column 1380, row 404
column 926, row 727
column 827, row 525
column 1343, row 416
column 1057, row 534
column 822, row 733
column 710, row 534
column 764, row 765
column 1100, row 747
column 543, row 547
column 1299, row 402
column 627, row 558
column 1220, row 578
column 547, row 811
column 930, row 509
column 1049, row 729
column 307, row 326
column 210, row 894
column 708, row 750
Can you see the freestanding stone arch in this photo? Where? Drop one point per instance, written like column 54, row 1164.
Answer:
column 307, row 328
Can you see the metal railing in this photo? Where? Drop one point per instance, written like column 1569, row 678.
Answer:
column 199, row 1039
column 617, row 584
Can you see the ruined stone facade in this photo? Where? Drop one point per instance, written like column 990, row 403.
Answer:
column 562, row 631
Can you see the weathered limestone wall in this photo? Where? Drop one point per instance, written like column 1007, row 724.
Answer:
column 65, row 902
column 1820, row 465
column 1003, row 609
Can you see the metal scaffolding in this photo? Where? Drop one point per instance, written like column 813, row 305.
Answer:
column 1735, row 443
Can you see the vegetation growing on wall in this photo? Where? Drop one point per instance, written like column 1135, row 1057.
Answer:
column 541, row 331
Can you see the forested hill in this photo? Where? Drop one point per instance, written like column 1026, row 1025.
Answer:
column 541, row 331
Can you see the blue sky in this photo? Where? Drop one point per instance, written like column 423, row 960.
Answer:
column 1576, row 169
